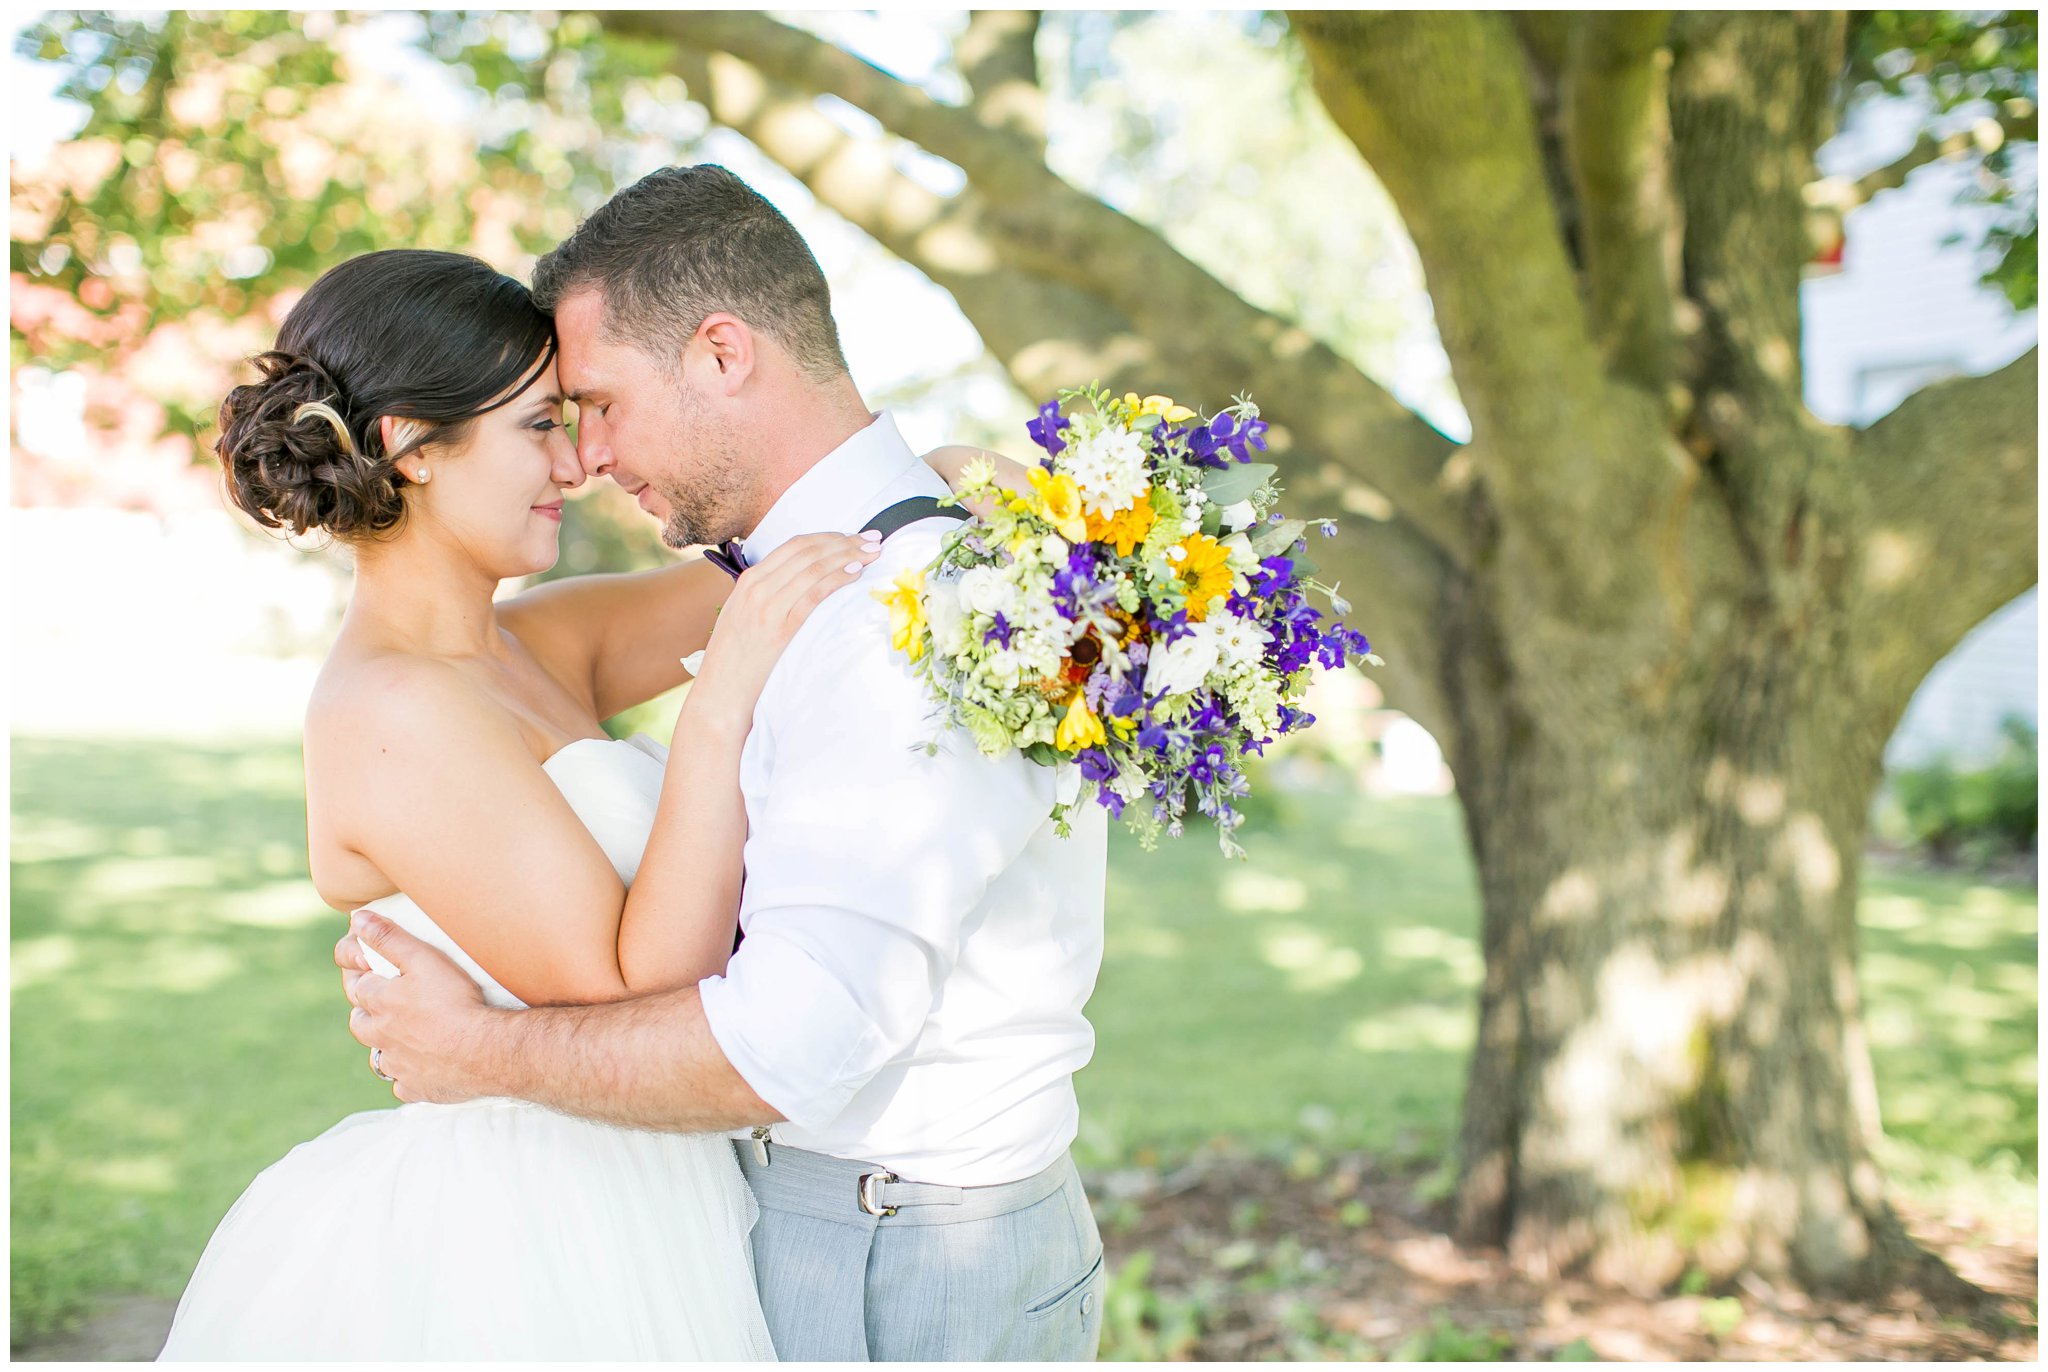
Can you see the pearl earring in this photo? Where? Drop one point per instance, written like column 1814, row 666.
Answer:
column 424, row 477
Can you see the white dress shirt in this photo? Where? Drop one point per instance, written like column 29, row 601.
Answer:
column 919, row 942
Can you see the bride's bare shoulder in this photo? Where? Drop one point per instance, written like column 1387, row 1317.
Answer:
column 367, row 696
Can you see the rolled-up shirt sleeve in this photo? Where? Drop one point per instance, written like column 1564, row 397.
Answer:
column 865, row 859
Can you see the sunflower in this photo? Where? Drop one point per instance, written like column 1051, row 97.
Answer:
column 1127, row 528
column 1204, row 572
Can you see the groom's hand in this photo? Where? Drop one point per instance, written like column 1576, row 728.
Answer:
column 422, row 1026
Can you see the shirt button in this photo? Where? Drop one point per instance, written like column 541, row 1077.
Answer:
column 1087, row 1303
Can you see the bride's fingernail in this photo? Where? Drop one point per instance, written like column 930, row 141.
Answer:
column 853, row 566
column 872, row 535
column 871, row 547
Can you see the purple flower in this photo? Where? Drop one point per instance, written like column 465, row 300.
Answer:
column 1225, row 434
column 1111, row 802
column 999, row 632
column 1045, row 430
column 1095, row 764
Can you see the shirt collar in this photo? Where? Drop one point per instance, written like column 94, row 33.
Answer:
column 839, row 490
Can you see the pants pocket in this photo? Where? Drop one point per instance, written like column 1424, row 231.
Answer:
column 1075, row 1291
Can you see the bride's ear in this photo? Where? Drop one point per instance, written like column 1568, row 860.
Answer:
column 400, row 434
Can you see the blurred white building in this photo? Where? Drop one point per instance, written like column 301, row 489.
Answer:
column 1906, row 310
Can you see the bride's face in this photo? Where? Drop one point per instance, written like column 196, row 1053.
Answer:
column 498, row 495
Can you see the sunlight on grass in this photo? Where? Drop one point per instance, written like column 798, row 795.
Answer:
column 1312, row 963
column 178, row 1025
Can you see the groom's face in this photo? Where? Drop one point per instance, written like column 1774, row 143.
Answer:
column 640, row 421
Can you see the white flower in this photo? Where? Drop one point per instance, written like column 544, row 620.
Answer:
column 1258, row 703
column 1054, row 550
column 1238, row 547
column 946, row 615
column 1110, row 469
column 1239, row 516
column 987, row 591
column 1183, row 664
column 1240, row 643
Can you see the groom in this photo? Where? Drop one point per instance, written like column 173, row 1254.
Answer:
column 894, row 1041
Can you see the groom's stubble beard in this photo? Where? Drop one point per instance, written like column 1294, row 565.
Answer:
column 709, row 506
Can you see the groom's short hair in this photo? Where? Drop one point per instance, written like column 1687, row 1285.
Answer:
column 683, row 243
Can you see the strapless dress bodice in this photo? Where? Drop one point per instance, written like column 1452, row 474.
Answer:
column 613, row 785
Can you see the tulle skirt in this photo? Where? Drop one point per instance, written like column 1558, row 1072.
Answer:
column 490, row 1229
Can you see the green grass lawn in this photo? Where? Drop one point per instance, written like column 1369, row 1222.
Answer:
column 178, row 1025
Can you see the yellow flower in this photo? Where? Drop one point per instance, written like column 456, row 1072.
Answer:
column 1127, row 527
column 1080, row 729
column 1204, row 571
column 1157, row 404
column 1057, row 500
column 905, row 599
column 1124, row 725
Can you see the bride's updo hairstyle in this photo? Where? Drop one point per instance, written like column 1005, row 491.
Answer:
column 436, row 338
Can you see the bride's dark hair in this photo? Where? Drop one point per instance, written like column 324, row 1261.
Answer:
column 433, row 337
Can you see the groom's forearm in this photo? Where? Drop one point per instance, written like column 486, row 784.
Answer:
column 650, row 1063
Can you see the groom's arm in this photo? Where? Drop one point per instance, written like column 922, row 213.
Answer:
column 649, row 1062
column 866, row 856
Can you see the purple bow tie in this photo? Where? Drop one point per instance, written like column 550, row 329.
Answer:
column 727, row 558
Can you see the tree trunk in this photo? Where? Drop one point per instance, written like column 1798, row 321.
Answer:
column 1671, row 1068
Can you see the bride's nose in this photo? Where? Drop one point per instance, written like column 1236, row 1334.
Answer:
column 565, row 468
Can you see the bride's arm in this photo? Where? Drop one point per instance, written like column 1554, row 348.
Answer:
column 678, row 923
column 436, row 787
column 617, row 638
column 951, row 460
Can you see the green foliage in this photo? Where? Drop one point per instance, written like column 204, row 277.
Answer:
column 1957, row 58
column 1141, row 1325
column 1445, row 1341
column 1721, row 1315
column 1979, row 813
column 224, row 159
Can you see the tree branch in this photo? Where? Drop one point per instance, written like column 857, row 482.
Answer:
column 1953, row 486
column 1618, row 134
column 1840, row 194
column 999, row 56
column 1437, row 104
column 1182, row 327
column 1750, row 100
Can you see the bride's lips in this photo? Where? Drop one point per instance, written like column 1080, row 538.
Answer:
column 553, row 511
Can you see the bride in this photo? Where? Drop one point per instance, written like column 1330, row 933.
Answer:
column 455, row 763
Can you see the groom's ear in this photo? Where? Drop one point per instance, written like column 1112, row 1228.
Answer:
column 729, row 345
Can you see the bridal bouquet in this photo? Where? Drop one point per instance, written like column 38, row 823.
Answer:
column 1141, row 611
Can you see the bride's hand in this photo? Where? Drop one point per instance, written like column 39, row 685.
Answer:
column 951, row 461
column 769, row 602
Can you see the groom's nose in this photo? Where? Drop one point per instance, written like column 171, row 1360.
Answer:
column 593, row 448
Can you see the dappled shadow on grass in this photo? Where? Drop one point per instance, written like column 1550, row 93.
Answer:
column 1323, row 987
column 178, row 1024
column 1950, row 975
column 1326, row 991
column 177, row 1020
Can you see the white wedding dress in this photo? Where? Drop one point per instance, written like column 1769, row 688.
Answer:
column 495, row 1228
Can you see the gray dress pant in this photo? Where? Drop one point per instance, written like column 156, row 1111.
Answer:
column 958, row 1274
